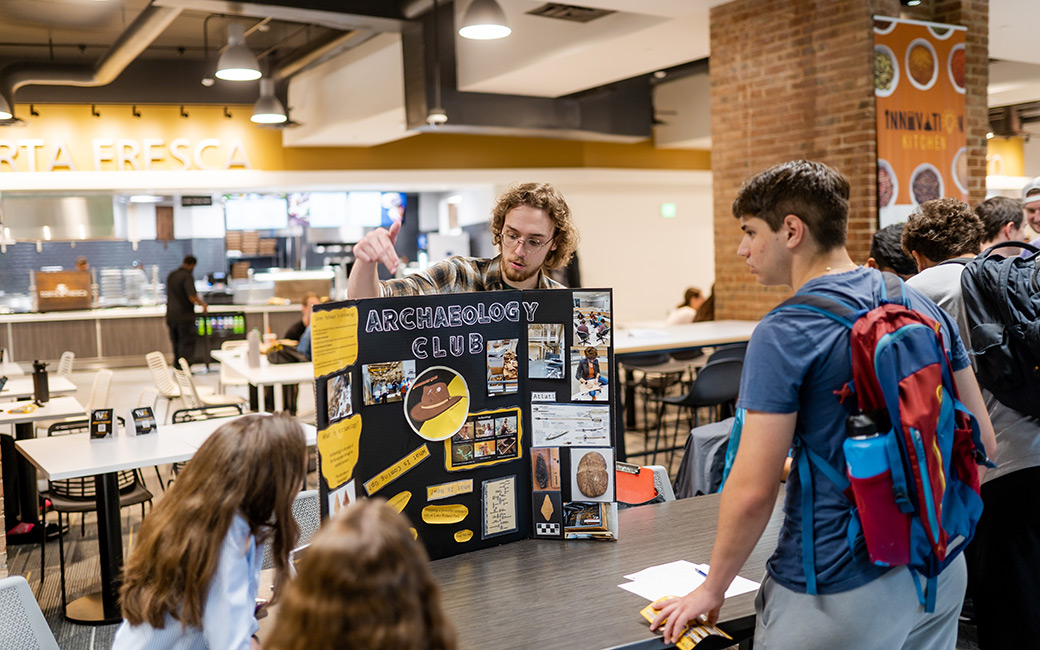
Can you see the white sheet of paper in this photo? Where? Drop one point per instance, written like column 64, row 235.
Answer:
column 678, row 579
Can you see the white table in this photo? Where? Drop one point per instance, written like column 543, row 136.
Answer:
column 22, row 387
column 267, row 374
column 9, row 369
column 76, row 456
column 28, row 495
column 668, row 338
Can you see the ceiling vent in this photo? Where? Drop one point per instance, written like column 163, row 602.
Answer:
column 569, row 12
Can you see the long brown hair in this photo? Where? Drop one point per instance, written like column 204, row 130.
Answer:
column 252, row 466
column 364, row 582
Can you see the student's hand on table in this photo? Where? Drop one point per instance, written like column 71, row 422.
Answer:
column 680, row 611
column 378, row 246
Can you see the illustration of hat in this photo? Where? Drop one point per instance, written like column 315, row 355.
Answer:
column 435, row 399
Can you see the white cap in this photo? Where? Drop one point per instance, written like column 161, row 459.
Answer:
column 1031, row 192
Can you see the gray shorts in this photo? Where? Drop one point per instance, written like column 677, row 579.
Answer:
column 883, row 614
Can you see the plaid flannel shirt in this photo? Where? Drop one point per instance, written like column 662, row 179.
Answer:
column 457, row 275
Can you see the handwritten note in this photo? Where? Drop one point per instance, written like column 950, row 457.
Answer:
column 339, row 449
column 499, row 506
column 447, row 490
column 334, row 339
column 379, row 481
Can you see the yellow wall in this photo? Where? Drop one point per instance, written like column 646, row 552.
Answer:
column 1005, row 157
column 69, row 138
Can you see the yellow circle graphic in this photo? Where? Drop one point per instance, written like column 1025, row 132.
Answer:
column 437, row 403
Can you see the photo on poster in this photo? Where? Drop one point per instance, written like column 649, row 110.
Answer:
column 545, row 468
column 462, row 454
column 437, row 403
column 341, row 498
column 499, row 500
column 483, row 448
column 583, row 520
column 502, row 367
column 485, row 427
column 590, row 374
column 547, row 514
column 384, row 383
column 486, row 438
column 592, row 323
column 570, row 424
column 337, row 390
column 545, row 351
column 592, row 474
column 465, row 433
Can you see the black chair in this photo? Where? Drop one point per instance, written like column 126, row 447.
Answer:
column 205, row 413
column 717, row 385
column 659, row 374
column 732, row 351
column 79, row 495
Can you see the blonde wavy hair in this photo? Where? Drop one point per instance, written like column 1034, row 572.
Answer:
column 541, row 196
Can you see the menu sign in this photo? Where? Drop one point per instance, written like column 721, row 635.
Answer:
column 919, row 86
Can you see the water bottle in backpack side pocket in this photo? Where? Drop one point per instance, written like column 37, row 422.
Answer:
column 886, row 529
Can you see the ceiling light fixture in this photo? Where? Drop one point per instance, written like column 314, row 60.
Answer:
column 267, row 109
column 484, row 20
column 237, row 63
column 6, row 110
column 436, row 115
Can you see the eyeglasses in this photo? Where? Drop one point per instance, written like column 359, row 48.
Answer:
column 531, row 244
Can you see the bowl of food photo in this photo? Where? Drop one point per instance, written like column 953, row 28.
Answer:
column 926, row 184
column 886, row 71
column 922, row 65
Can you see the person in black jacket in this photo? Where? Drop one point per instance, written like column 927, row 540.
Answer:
column 180, row 309
column 587, row 373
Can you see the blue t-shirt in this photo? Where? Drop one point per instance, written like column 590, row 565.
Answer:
column 797, row 360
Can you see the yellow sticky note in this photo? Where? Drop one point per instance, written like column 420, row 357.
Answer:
column 450, row 514
column 334, row 339
column 399, row 500
column 463, row 535
column 379, row 481
column 446, row 490
column 338, row 446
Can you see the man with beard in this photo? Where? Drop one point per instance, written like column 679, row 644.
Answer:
column 530, row 224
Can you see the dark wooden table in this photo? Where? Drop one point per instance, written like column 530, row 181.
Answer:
column 546, row 594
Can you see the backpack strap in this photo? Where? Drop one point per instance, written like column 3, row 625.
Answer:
column 895, row 291
column 806, row 457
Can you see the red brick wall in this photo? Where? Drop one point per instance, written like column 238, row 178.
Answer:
column 794, row 79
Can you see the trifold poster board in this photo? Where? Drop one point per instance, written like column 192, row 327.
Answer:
column 485, row 417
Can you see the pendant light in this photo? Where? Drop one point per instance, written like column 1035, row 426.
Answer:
column 484, row 20
column 267, row 109
column 6, row 110
column 436, row 115
column 237, row 63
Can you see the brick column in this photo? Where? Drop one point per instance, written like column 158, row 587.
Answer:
column 794, row 79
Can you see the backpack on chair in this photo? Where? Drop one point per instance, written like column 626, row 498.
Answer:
column 1002, row 301
column 921, row 511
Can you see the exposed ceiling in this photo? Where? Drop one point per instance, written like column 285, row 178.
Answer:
column 360, row 71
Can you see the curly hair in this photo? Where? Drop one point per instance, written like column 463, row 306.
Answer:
column 943, row 229
column 996, row 212
column 364, row 582
column 252, row 466
column 541, row 196
column 812, row 191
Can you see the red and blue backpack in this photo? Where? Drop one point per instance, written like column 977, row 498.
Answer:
column 921, row 512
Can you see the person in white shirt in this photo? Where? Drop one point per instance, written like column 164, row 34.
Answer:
column 193, row 577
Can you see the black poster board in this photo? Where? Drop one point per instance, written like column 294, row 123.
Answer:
column 466, row 412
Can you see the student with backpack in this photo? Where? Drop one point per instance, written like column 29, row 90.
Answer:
column 1004, row 556
column 820, row 591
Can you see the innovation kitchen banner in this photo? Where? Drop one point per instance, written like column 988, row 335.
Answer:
column 919, row 82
